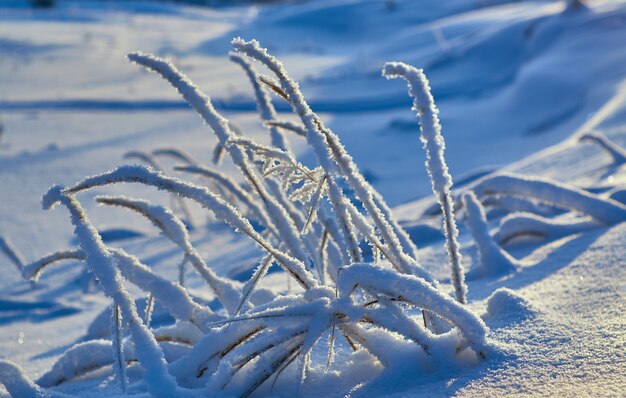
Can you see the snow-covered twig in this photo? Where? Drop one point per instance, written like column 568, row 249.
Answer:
column 417, row 292
column 212, row 347
column 606, row 211
column 233, row 188
column 349, row 240
column 258, row 273
column 434, row 145
column 264, row 104
column 76, row 361
column 32, row 271
column 118, row 349
column 152, row 162
column 171, row 296
column 277, row 161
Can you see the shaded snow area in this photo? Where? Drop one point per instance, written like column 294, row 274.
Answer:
column 314, row 247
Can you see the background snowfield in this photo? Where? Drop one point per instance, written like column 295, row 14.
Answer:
column 516, row 84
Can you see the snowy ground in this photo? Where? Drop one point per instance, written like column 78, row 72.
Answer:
column 515, row 83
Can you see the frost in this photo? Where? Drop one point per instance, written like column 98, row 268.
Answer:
column 220, row 126
column 175, row 230
column 232, row 188
column 264, row 104
column 332, row 155
column 434, row 145
column 204, row 197
column 101, row 263
column 33, row 270
column 304, row 220
column 415, row 291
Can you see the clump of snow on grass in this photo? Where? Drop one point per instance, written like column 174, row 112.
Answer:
column 493, row 259
column 606, row 211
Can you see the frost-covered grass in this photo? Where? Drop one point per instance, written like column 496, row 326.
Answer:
column 378, row 299
column 502, row 77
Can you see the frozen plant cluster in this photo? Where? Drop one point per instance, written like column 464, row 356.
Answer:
column 361, row 285
column 536, row 208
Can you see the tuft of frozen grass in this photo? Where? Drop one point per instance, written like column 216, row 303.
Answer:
column 304, row 220
column 201, row 103
column 493, row 259
column 335, row 160
column 434, row 145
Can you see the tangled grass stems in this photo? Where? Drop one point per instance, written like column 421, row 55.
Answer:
column 307, row 224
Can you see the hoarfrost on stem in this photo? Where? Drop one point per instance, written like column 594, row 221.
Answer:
column 434, row 145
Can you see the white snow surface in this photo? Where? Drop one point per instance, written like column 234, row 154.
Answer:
column 517, row 84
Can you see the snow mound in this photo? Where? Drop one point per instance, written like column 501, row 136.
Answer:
column 505, row 303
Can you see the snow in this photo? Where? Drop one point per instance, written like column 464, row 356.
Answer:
column 505, row 303
column 416, row 291
column 493, row 259
column 18, row 384
column 264, row 103
column 606, row 211
column 528, row 89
